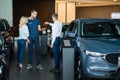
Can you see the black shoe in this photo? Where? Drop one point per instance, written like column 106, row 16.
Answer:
column 20, row 66
column 55, row 70
column 52, row 70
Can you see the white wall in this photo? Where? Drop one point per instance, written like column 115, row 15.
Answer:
column 6, row 10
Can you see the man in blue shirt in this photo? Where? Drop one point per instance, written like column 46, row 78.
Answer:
column 34, row 28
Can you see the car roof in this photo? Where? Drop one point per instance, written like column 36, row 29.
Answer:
column 2, row 19
column 99, row 20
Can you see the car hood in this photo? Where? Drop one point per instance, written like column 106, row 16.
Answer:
column 101, row 45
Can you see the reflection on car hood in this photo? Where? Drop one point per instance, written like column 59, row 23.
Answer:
column 101, row 45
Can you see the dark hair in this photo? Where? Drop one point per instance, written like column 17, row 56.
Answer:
column 33, row 11
column 55, row 15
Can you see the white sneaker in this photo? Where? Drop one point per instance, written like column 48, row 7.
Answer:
column 39, row 66
column 29, row 66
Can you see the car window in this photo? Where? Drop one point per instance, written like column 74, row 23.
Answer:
column 101, row 29
column 73, row 27
column 2, row 26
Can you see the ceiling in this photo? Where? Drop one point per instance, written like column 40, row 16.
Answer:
column 82, row 3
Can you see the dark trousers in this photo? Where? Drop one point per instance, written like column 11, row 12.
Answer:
column 34, row 42
column 56, row 52
column 21, row 43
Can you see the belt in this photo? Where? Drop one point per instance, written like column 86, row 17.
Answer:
column 58, row 37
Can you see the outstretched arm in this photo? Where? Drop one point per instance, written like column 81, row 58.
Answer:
column 41, row 29
column 47, row 23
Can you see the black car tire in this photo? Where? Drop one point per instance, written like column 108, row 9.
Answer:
column 79, row 70
column 6, row 73
column 118, row 75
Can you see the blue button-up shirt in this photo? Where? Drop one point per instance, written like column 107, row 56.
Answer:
column 33, row 28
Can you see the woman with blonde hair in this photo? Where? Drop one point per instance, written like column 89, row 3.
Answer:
column 21, row 42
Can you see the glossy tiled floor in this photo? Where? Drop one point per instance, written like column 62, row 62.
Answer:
column 33, row 74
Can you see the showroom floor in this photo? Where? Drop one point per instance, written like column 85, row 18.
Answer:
column 33, row 74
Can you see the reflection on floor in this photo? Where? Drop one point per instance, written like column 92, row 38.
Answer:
column 33, row 74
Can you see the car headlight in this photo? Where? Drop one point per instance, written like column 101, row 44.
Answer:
column 94, row 54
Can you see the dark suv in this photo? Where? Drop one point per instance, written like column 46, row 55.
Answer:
column 6, row 48
column 97, row 48
column 7, row 32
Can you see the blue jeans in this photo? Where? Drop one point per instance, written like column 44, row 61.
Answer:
column 56, row 53
column 21, row 49
column 34, row 42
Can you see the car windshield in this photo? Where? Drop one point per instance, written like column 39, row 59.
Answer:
column 101, row 29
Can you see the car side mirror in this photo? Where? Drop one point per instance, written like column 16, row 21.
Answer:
column 70, row 34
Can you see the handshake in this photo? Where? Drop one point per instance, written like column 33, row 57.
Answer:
column 45, row 23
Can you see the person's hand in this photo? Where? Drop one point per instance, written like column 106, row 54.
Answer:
column 47, row 23
column 28, row 41
column 44, row 28
column 51, row 45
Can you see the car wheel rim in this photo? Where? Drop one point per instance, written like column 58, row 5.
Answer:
column 79, row 72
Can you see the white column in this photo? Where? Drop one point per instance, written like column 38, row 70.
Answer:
column 6, row 10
